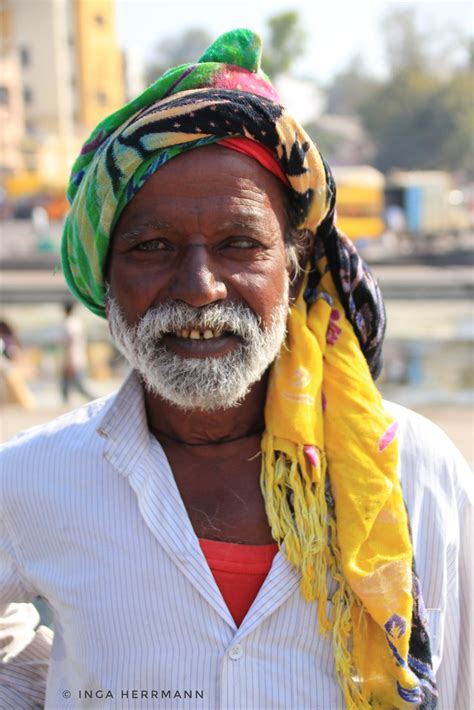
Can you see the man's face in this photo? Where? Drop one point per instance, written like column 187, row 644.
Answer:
column 198, row 280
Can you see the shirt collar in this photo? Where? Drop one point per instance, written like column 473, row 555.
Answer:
column 124, row 424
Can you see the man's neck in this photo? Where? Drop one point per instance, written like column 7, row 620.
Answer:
column 200, row 428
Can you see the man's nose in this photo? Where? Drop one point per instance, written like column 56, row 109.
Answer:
column 197, row 281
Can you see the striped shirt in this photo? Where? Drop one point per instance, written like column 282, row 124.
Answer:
column 91, row 519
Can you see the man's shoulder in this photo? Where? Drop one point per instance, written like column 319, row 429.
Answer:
column 420, row 435
column 58, row 437
column 428, row 457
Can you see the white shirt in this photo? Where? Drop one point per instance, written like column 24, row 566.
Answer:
column 92, row 520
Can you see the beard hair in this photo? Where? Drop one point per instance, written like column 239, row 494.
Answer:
column 210, row 383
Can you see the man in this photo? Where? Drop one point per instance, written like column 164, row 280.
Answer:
column 202, row 227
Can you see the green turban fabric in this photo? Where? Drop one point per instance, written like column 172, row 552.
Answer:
column 225, row 94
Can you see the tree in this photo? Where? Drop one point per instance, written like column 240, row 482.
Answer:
column 422, row 116
column 406, row 46
column 286, row 42
column 350, row 88
column 178, row 49
column 453, row 121
column 431, row 50
column 396, row 117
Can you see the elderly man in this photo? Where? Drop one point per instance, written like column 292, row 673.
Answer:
column 229, row 530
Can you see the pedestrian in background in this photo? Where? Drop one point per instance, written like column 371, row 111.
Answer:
column 75, row 363
column 13, row 387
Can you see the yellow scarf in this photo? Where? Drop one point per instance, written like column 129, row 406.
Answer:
column 325, row 424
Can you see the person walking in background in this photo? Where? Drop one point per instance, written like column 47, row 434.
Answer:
column 13, row 387
column 74, row 365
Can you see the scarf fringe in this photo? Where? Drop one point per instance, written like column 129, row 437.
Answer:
column 299, row 517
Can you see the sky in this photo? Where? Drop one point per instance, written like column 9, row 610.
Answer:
column 337, row 29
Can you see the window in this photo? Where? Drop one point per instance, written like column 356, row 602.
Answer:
column 99, row 20
column 101, row 97
column 27, row 95
column 4, row 95
column 25, row 56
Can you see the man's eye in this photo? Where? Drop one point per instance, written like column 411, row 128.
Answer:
column 241, row 243
column 153, row 245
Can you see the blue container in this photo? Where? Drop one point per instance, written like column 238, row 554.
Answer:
column 413, row 208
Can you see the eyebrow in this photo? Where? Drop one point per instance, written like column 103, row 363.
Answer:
column 137, row 229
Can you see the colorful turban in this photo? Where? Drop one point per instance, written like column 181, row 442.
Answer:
column 329, row 451
column 224, row 94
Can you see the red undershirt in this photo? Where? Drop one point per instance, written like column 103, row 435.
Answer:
column 239, row 571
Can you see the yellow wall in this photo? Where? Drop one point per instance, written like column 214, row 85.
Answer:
column 5, row 25
column 100, row 72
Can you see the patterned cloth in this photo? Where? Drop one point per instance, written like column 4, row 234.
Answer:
column 330, row 453
column 127, row 147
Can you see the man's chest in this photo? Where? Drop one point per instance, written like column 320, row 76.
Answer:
column 136, row 606
column 222, row 497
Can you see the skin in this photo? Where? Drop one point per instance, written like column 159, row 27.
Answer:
column 208, row 226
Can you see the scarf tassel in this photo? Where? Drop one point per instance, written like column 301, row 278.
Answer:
column 297, row 510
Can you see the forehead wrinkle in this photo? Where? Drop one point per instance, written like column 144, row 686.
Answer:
column 228, row 215
column 238, row 223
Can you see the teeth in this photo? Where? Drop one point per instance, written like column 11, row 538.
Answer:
column 196, row 334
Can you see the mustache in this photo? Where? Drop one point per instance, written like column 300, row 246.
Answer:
column 172, row 317
column 209, row 383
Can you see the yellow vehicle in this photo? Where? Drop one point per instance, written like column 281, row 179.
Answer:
column 27, row 190
column 360, row 201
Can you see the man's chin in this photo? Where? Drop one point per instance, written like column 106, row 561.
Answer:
column 192, row 400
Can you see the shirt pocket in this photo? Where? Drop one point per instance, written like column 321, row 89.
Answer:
column 435, row 633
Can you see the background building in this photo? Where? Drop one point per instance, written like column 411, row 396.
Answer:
column 99, row 87
column 12, row 119
column 71, row 76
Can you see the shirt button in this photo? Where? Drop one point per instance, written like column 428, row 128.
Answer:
column 235, row 652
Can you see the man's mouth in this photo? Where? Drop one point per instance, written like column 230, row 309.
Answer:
column 205, row 342
column 196, row 334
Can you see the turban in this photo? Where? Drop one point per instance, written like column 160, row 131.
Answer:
column 329, row 451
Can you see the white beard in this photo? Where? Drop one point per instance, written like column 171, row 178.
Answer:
column 211, row 383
